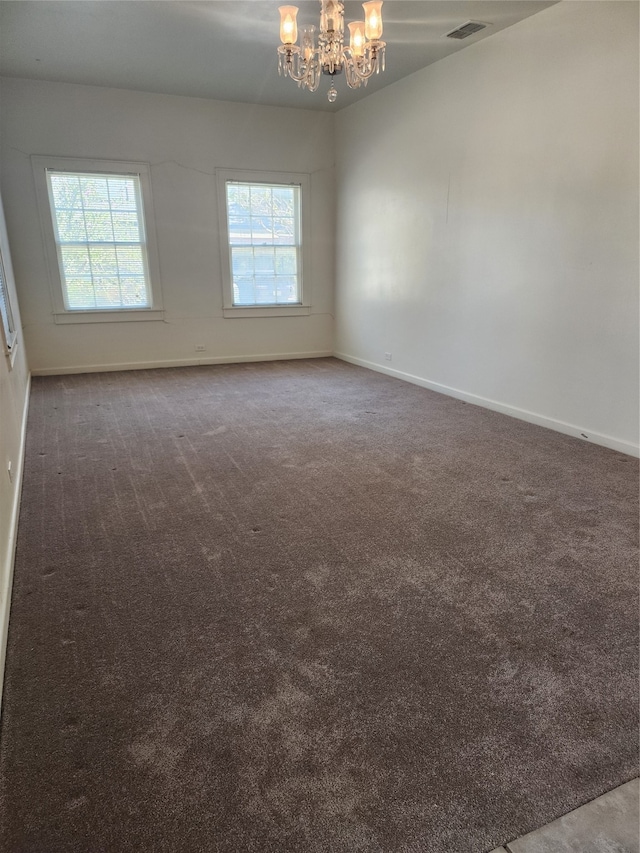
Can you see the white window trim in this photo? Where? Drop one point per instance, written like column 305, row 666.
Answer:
column 229, row 310
column 61, row 313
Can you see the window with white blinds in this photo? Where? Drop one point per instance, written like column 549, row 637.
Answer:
column 263, row 221
column 8, row 326
column 99, row 233
column 264, row 243
column 100, row 239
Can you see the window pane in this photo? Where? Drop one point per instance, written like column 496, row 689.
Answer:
column 285, row 231
column 244, row 290
column 283, row 201
column 134, row 291
column 75, row 261
column 71, row 226
column 130, row 260
column 107, row 292
column 95, row 194
column 286, row 260
column 100, row 232
column 99, row 227
column 103, row 260
column 239, row 230
column 122, row 194
column 264, row 259
column 126, row 228
column 287, row 289
column 66, row 191
column 80, row 292
column 265, row 290
column 242, row 261
column 239, row 199
column 261, row 229
column 260, row 200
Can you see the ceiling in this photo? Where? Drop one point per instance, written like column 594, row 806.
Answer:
column 225, row 49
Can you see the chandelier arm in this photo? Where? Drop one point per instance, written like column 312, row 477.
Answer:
column 301, row 76
column 369, row 64
column 304, row 73
column 290, row 61
column 353, row 81
column 314, row 80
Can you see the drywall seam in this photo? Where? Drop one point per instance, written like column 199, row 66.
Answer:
column 5, row 601
column 504, row 408
column 178, row 362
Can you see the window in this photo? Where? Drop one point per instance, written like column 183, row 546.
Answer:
column 99, row 232
column 9, row 334
column 99, row 247
column 8, row 326
column 263, row 220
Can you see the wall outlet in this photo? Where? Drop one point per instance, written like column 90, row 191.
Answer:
column 201, row 348
column 387, row 356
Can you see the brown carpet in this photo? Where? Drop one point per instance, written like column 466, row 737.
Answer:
column 301, row 606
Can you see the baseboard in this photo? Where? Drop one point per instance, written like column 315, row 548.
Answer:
column 505, row 409
column 177, row 362
column 5, row 606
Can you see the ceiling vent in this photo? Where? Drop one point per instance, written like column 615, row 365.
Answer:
column 466, row 30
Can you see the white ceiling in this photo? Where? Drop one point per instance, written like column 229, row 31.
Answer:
column 225, row 49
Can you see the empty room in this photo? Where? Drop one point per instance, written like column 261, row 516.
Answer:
column 319, row 426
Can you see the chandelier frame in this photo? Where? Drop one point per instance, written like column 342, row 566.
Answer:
column 307, row 63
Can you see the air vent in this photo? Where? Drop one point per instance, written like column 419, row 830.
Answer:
column 466, row 30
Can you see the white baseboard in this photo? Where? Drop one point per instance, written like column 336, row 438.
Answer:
column 178, row 362
column 514, row 412
column 7, row 574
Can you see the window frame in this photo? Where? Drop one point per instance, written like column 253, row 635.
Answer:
column 248, row 176
column 62, row 314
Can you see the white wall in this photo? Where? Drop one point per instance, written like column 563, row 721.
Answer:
column 14, row 385
column 185, row 140
column 488, row 223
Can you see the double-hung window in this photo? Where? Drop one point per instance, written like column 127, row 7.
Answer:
column 102, row 255
column 9, row 331
column 263, row 243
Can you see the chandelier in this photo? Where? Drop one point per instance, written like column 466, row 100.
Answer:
column 307, row 62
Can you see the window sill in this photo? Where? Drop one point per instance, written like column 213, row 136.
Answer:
column 267, row 311
column 116, row 316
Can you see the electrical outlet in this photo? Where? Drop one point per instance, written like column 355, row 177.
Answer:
column 200, row 348
column 387, row 356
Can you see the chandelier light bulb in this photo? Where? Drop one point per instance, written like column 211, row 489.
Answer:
column 308, row 42
column 288, row 24
column 373, row 19
column 357, row 39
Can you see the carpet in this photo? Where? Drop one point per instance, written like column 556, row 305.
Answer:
column 304, row 607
